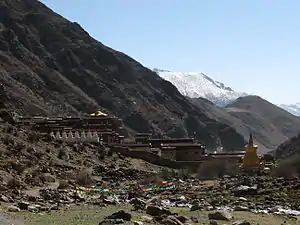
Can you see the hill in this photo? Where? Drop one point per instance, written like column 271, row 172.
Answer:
column 289, row 148
column 269, row 124
column 51, row 66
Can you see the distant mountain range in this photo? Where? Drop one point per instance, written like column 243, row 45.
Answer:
column 197, row 84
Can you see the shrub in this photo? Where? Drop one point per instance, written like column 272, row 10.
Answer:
column 289, row 167
column 14, row 183
column 7, row 139
column 33, row 137
column 84, row 178
column 63, row 154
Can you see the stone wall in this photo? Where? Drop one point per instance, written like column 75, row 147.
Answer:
column 153, row 158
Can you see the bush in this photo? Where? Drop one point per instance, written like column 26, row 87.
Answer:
column 33, row 137
column 63, row 154
column 7, row 140
column 289, row 167
column 84, row 178
column 14, row 183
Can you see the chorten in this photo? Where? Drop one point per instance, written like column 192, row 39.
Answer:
column 251, row 158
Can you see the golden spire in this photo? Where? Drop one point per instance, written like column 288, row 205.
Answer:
column 250, row 142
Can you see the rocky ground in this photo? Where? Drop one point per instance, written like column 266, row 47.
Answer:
column 38, row 177
column 191, row 202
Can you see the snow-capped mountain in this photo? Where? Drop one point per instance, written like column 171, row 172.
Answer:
column 195, row 85
column 292, row 108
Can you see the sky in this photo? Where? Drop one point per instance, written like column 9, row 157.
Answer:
column 250, row 45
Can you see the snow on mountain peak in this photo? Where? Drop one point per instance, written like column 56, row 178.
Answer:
column 195, row 85
column 292, row 108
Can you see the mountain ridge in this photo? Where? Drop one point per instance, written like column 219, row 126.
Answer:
column 269, row 124
column 196, row 84
column 214, row 91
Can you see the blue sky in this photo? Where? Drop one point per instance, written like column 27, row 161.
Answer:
column 250, row 45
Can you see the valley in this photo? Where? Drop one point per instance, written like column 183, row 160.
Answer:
column 88, row 135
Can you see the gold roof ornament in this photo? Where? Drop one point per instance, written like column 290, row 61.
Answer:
column 251, row 158
column 98, row 113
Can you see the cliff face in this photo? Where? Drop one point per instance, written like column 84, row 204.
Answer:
column 52, row 66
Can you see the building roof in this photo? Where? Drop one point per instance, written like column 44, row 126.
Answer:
column 179, row 140
column 98, row 113
column 228, row 153
column 183, row 145
column 143, row 134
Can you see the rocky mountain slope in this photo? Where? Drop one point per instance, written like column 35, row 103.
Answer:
column 289, row 148
column 199, row 85
column 49, row 65
column 269, row 124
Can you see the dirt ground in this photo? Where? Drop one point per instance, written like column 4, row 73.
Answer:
column 92, row 216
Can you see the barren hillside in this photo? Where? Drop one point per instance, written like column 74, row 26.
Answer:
column 52, row 66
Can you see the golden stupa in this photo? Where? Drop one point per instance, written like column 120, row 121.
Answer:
column 251, row 159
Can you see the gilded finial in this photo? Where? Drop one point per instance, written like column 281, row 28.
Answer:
column 250, row 142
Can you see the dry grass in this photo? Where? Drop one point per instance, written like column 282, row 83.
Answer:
column 87, row 216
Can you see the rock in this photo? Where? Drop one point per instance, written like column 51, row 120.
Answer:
column 111, row 221
column 63, row 184
column 110, row 200
column 138, row 203
column 31, row 198
column 138, row 223
column 242, row 222
column 23, row 205
column 171, row 220
column 241, row 208
column 195, row 206
column 120, row 215
column 220, row 215
column 154, row 201
column 13, row 208
column 53, row 207
column 182, row 219
column 213, row 222
column 242, row 199
column 78, row 197
column 245, row 190
column 194, row 219
column 3, row 198
column 47, row 177
column 34, row 208
column 157, row 211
